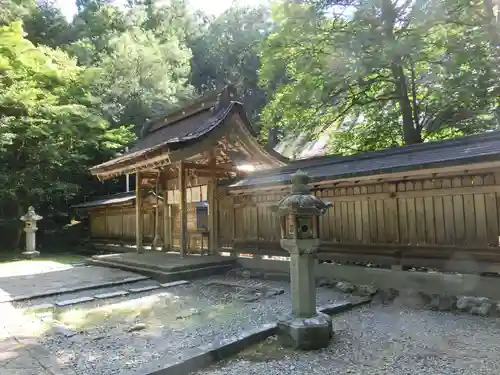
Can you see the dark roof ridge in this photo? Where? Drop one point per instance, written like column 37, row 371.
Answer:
column 334, row 159
column 191, row 108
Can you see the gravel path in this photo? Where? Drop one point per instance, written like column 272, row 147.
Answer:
column 163, row 323
column 384, row 340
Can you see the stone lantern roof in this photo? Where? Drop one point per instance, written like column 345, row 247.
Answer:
column 301, row 201
column 31, row 215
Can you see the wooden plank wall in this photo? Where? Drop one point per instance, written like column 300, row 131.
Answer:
column 119, row 223
column 458, row 211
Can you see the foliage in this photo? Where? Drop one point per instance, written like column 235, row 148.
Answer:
column 50, row 131
column 11, row 10
column 143, row 60
column 227, row 51
column 382, row 73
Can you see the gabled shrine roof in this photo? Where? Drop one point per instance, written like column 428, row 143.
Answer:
column 187, row 132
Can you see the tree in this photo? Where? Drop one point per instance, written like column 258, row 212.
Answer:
column 227, row 51
column 11, row 10
column 142, row 78
column 382, row 72
column 50, row 133
column 46, row 25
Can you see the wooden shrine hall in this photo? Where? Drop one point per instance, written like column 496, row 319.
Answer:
column 185, row 157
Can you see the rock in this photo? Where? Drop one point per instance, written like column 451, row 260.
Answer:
column 64, row 331
column 443, row 303
column 137, row 327
column 345, row 287
column 246, row 274
column 465, row 303
column 386, row 296
column 481, row 310
column 188, row 314
column 323, row 282
column 367, row 290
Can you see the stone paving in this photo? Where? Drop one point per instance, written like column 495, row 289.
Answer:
column 33, row 279
column 139, row 333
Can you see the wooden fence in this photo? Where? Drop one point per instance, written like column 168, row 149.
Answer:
column 446, row 223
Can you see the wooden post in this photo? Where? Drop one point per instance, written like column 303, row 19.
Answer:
column 167, row 226
column 182, row 208
column 139, row 217
column 166, row 239
column 213, row 212
column 157, row 239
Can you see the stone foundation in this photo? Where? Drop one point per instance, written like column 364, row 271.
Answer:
column 306, row 333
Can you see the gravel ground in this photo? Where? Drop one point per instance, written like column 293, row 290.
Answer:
column 384, row 340
column 164, row 322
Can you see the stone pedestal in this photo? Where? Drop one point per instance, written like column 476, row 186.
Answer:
column 305, row 328
column 306, row 333
column 30, row 243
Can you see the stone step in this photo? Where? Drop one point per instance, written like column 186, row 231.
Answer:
column 164, row 276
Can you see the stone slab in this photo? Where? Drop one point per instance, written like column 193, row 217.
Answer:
column 144, row 289
column 165, row 262
column 69, row 302
column 119, row 293
column 174, row 283
column 60, row 281
column 194, row 359
column 43, row 306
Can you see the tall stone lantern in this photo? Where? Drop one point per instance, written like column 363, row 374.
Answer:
column 30, row 219
column 299, row 213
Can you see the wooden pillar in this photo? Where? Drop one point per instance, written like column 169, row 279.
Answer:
column 213, row 213
column 167, row 224
column 139, row 217
column 157, row 242
column 182, row 207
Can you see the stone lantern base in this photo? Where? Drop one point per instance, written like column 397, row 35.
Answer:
column 306, row 333
column 30, row 254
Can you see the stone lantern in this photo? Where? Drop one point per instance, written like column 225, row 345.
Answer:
column 30, row 219
column 299, row 215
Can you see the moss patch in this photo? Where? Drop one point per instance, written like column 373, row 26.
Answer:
column 269, row 349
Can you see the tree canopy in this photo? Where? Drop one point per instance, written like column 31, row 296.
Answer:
column 381, row 73
column 370, row 73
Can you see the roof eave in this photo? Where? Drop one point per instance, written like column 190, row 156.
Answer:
column 471, row 163
column 205, row 141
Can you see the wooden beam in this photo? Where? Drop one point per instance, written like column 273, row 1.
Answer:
column 224, row 167
column 139, row 217
column 182, row 207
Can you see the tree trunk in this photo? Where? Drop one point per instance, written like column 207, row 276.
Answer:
column 411, row 132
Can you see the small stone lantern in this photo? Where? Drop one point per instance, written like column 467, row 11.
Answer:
column 30, row 219
column 299, row 215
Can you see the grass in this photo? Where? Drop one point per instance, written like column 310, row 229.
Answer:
column 44, row 263
column 269, row 349
column 159, row 310
column 66, row 258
